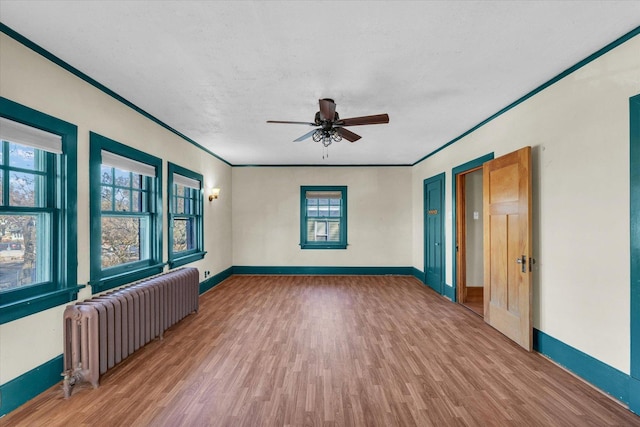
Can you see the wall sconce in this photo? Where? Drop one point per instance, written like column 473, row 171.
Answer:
column 214, row 193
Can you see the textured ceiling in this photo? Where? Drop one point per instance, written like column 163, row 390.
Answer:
column 216, row 71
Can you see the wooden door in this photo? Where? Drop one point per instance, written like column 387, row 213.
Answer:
column 434, row 233
column 507, row 245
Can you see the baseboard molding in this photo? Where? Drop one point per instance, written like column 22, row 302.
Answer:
column 324, row 271
column 216, row 279
column 30, row 384
column 418, row 274
column 474, row 294
column 606, row 378
column 450, row 292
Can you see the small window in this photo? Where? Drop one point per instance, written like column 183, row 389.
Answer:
column 323, row 217
column 38, row 254
column 186, row 235
column 125, row 193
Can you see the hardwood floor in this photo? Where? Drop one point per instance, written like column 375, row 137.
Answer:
column 329, row 351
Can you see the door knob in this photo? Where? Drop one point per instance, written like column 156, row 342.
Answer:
column 523, row 262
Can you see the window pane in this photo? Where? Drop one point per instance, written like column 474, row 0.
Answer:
column 136, row 181
column 1, row 189
column 334, row 231
column 334, row 211
column 123, row 178
column 26, row 189
column 323, row 210
column 179, row 205
column 24, row 250
column 184, row 234
column 136, row 201
column 312, row 211
column 121, row 237
column 123, row 198
column 106, row 203
column 106, row 174
column 21, row 156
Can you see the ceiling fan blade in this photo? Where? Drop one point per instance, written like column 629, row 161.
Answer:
column 348, row 135
column 364, row 120
column 305, row 136
column 327, row 109
column 291, row 123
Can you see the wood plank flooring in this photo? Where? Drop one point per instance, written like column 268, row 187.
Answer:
column 329, row 351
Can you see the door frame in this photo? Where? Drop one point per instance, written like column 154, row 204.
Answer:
column 458, row 170
column 440, row 177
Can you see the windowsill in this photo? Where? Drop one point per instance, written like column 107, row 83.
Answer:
column 120, row 279
column 17, row 309
column 323, row 246
column 186, row 259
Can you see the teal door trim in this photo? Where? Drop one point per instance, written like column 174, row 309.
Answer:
column 634, row 176
column 472, row 164
column 439, row 240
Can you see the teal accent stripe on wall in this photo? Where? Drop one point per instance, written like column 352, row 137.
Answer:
column 601, row 375
column 51, row 57
column 27, row 386
column 327, row 271
column 215, row 280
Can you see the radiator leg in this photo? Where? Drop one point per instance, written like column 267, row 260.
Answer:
column 70, row 379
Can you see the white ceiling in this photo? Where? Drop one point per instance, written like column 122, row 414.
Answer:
column 216, row 71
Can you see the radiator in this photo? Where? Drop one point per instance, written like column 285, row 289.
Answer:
column 102, row 331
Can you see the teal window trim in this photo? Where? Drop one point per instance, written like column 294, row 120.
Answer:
column 196, row 199
column 342, row 242
column 107, row 278
column 63, row 287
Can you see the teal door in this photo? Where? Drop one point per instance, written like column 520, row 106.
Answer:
column 434, row 232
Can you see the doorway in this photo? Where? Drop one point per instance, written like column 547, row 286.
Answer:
column 470, row 240
column 468, row 251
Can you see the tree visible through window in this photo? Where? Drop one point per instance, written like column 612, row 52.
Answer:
column 38, row 226
column 25, row 215
column 125, row 193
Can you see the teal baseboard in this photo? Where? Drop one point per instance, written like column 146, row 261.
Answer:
column 450, row 292
column 418, row 274
column 216, row 279
column 325, row 271
column 28, row 385
column 606, row 378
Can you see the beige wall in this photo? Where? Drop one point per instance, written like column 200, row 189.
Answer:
column 266, row 216
column 578, row 129
column 31, row 80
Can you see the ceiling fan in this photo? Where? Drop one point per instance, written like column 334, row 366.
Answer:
column 329, row 127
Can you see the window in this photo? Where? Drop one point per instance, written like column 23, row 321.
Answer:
column 125, row 211
column 323, row 217
column 185, row 216
column 38, row 252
